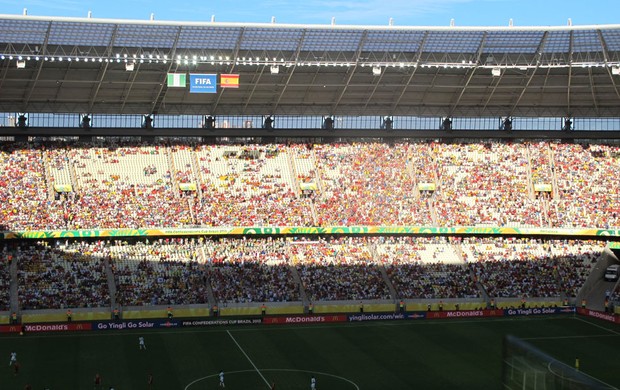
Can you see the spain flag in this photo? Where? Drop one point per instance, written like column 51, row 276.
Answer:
column 229, row 81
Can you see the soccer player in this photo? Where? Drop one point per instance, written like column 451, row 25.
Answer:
column 141, row 344
column 97, row 382
column 13, row 358
column 222, row 379
column 149, row 381
column 313, row 383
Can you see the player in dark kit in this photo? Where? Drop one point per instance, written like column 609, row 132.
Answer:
column 97, row 382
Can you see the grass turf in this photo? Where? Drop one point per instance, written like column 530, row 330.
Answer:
column 455, row 354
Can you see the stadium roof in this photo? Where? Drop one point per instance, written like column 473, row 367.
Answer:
column 50, row 64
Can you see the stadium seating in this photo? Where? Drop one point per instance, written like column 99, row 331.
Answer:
column 136, row 185
column 54, row 278
column 5, row 278
column 185, row 271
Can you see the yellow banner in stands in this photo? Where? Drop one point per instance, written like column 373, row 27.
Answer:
column 426, row 186
column 542, row 187
column 63, row 187
column 187, row 186
column 308, row 186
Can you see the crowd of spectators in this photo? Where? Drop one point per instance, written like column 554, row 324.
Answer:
column 252, row 185
column 339, row 268
column 520, row 267
column 54, row 278
column 135, row 185
column 587, row 193
column 6, row 258
column 426, row 267
column 250, row 270
column 368, row 184
column 124, row 186
column 541, row 162
column 179, row 271
column 162, row 272
column 25, row 202
column 484, row 184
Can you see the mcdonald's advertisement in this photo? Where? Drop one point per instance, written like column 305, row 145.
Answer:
column 39, row 328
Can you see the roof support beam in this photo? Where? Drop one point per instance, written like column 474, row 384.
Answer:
column 358, row 54
column 102, row 71
column 606, row 56
column 592, row 89
column 291, row 71
column 404, row 90
column 258, row 75
column 310, row 86
column 39, row 67
column 570, row 71
column 161, row 93
column 230, row 69
column 539, row 52
column 374, row 89
column 490, row 96
column 471, row 75
column 132, row 80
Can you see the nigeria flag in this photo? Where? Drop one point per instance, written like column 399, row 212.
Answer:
column 176, row 79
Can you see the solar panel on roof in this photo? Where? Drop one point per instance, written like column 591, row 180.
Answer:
column 340, row 40
column 204, row 37
column 23, row 31
column 557, row 42
column 512, row 41
column 138, row 35
column 612, row 39
column 393, row 41
column 585, row 41
column 271, row 39
column 453, row 41
column 86, row 34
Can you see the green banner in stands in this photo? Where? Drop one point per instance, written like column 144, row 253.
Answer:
column 313, row 230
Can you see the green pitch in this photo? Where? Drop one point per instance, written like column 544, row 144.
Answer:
column 446, row 354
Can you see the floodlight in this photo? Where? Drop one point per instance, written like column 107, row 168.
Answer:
column 496, row 72
column 376, row 70
column 275, row 69
column 21, row 64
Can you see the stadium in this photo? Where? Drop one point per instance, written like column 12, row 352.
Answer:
column 369, row 207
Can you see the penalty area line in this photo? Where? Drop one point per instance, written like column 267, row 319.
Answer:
column 249, row 360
